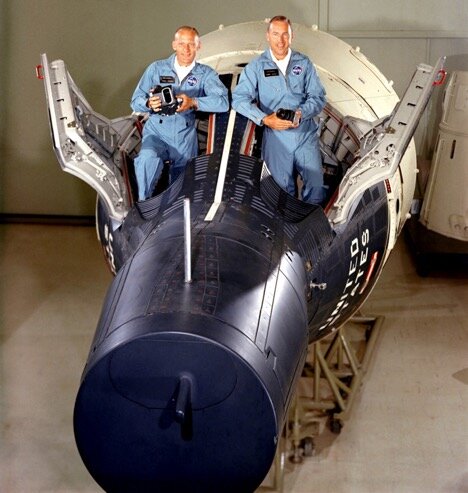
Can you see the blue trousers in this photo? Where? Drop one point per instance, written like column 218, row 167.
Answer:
column 157, row 148
column 285, row 151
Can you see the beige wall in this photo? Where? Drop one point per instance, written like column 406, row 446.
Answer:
column 106, row 45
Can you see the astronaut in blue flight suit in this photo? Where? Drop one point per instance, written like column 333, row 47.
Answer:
column 283, row 78
column 173, row 137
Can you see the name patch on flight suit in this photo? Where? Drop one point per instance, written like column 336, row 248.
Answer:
column 271, row 72
column 166, row 79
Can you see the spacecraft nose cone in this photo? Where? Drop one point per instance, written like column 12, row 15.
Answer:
column 175, row 412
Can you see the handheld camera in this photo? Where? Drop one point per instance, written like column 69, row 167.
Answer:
column 169, row 103
column 290, row 115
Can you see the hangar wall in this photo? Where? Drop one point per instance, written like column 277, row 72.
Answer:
column 106, row 45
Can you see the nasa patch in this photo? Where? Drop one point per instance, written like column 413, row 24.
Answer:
column 297, row 70
column 192, row 81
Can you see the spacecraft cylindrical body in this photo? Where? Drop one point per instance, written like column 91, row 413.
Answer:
column 186, row 384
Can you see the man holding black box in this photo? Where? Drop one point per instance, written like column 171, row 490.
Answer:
column 281, row 90
column 171, row 90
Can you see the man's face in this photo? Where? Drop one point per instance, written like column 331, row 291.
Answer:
column 279, row 38
column 185, row 45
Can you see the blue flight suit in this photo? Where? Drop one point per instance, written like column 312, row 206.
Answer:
column 262, row 90
column 173, row 137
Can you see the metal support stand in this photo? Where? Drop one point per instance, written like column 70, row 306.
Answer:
column 275, row 478
column 331, row 378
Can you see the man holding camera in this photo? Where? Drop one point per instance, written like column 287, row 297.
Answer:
column 171, row 90
column 281, row 90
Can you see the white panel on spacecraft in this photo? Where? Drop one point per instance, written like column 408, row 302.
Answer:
column 445, row 205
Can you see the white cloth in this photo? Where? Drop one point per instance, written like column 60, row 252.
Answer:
column 282, row 64
column 181, row 71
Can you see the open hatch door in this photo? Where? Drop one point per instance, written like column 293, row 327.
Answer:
column 384, row 145
column 87, row 144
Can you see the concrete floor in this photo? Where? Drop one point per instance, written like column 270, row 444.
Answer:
column 408, row 430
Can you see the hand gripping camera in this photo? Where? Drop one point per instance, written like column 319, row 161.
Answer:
column 290, row 115
column 169, row 103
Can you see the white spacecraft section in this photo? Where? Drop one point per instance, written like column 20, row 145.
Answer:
column 355, row 126
column 445, row 204
column 354, row 86
column 355, row 89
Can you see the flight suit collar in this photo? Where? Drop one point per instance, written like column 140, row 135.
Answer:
column 265, row 57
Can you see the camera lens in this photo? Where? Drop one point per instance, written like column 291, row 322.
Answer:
column 166, row 94
column 285, row 114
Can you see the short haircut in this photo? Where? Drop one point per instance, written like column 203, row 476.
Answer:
column 279, row 18
column 187, row 28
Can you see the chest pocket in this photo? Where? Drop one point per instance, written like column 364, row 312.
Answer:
column 275, row 87
column 272, row 79
column 297, row 83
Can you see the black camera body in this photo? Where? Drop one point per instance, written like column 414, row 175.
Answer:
column 290, row 115
column 169, row 103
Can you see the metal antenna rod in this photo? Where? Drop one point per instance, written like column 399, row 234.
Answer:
column 187, row 241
